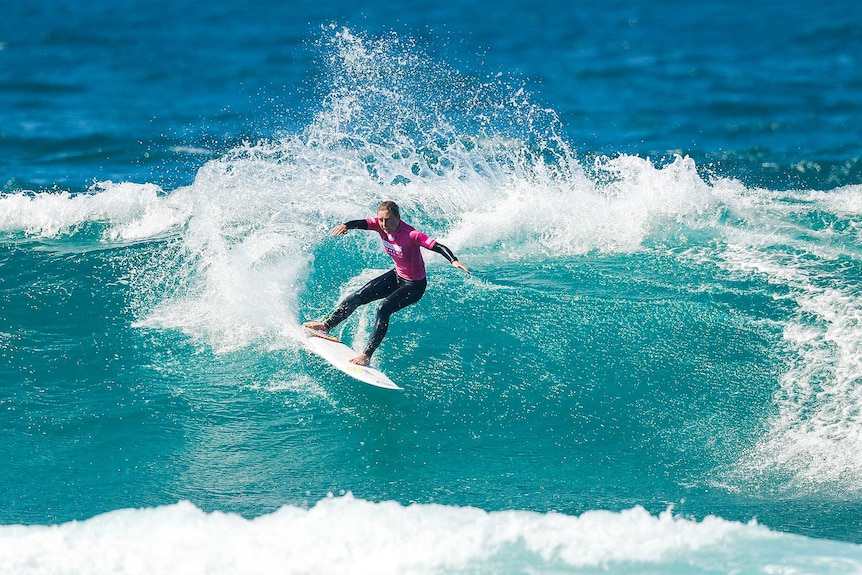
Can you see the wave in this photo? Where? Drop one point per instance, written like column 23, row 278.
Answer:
column 345, row 534
column 229, row 260
column 238, row 245
column 813, row 442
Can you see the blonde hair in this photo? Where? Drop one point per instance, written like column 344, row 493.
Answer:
column 391, row 207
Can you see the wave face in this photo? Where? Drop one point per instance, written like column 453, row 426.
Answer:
column 650, row 353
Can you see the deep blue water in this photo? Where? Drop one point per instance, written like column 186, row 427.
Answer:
column 655, row 366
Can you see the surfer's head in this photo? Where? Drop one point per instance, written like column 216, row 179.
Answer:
column 388, row 216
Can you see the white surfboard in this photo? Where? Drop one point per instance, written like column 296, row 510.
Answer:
column 339, row 355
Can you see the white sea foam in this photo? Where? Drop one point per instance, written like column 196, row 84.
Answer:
column 348, row 535
column 813, row 443
column 130, row 212
column 627, row 202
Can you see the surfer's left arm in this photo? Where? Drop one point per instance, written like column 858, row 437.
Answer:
column 447, row 253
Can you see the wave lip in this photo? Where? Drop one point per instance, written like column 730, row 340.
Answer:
column 349, row 535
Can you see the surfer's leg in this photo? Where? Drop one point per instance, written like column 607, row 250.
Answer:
column 378, row 288
column 407, row 293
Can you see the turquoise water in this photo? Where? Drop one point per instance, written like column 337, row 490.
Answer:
column 654, row 367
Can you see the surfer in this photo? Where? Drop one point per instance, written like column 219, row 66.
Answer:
column 399, row 287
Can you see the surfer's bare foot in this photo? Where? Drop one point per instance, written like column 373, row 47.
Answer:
column 360, row 359
column 319, row 325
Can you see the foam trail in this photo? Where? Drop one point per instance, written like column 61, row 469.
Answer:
column 344, row 534
column 813, row 442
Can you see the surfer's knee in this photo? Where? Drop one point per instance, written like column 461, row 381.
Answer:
column 392, row 304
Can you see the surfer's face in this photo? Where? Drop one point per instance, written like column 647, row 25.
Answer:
column 388, row 221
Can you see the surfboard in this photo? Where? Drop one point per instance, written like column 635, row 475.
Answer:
column 333, row 350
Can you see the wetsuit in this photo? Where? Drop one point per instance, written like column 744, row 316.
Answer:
column 398, row 287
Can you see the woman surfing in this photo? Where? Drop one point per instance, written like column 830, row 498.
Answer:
column 400, row 286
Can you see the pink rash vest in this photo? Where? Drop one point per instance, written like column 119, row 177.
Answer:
column 403, row 247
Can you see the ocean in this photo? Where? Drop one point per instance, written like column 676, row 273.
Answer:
column 655, row 366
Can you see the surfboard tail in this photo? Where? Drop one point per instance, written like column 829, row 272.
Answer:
column 321, row 334
column 339, row 355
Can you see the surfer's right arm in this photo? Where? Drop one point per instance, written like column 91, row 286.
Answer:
column 342, row 229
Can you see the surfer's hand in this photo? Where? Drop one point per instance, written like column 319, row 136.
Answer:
column 459, row 265
column 339, row 230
